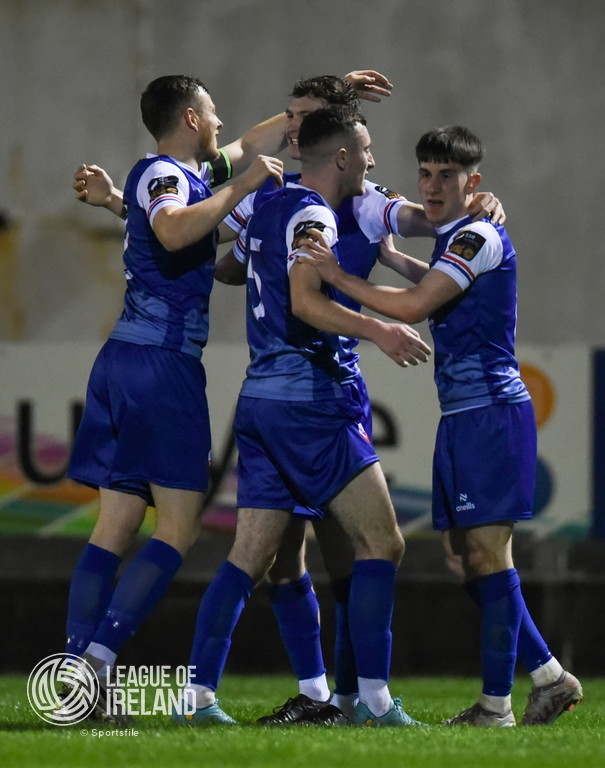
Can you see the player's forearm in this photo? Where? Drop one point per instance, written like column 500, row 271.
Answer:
column 327, row 315
column 406, row 266
column 398, row 303
column 266, row 138
column 115, row 202
column 177, row 228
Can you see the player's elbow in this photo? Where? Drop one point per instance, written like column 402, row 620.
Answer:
column 415, row 316
column 171, row 238
column 411, row 312
column 302, row 308
column 230, row 272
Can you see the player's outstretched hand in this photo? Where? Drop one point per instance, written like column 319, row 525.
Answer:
column 487, row 204
column 92, row 185
column 368, row 84
column 402, row 344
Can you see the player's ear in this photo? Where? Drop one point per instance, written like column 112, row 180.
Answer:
column 473, row 181
column 190, row 117
column 341, row 158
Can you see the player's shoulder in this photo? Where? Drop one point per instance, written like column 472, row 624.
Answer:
column 378, row 191
column 476, row 234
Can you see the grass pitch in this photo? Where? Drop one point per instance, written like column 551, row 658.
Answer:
column 576, row 739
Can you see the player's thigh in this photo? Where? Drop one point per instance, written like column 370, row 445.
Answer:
column 364, row 510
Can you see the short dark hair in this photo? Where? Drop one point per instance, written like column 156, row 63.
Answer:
column 329, row 88
column 165, row 99
column 326, row 122
column 451, row 144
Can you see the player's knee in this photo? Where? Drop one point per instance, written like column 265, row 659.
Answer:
column 384, row 546
column 482, row 562
column 397, row 547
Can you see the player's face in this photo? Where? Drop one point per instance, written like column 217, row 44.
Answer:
column 210, row 126
column 444, row 190
column 295, row 112
column 359, row 160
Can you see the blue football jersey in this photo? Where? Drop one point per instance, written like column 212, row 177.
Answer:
column 362, row 222
column 474, row 333
column 167, row 292
column 289, row 359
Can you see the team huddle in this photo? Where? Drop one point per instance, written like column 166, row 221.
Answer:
column 304, row 246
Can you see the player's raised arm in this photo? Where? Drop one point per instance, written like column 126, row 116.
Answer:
column 266, row 138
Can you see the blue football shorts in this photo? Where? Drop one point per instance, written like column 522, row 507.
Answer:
column 298, row 453
column 358, row 392
column 484, row 466
column 145, row 421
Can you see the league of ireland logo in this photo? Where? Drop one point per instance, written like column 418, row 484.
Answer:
column 63, row 689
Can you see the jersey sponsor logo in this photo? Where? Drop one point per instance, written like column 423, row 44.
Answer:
column 467, row 245
column 301, row 229
column 388, row 193
column 163, row 185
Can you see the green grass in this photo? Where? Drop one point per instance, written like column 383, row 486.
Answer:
column 577, row 739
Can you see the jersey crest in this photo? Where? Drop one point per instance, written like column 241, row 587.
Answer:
column 163, row 185
column 388, row 193
column 301, row 229
column 467, row 245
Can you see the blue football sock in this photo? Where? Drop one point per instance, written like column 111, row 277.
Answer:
column 89, row 595
column 345, row 670
column 532, row 650
column 370, row 613
column 218, row 614
column 297, row 612
column 501, row 611
column 140, row 589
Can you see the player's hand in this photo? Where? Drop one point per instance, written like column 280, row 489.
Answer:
column 368, row 84
column 487, row 204
column 401, row 343
column 93, row 185
column 314, row 250
column 260, row 169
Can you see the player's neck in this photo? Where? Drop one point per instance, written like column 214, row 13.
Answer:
column 328, row 188
column 178, row 152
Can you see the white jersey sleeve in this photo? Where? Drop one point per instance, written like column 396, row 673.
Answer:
column 312, row 217
column 472, row 250
column 376, row 211
column 238, row 220
column 162, row 184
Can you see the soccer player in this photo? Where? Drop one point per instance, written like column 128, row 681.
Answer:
column 485, row 452
column 298, row 425
column 365, row 225
column 362, row 224
column 145, row 436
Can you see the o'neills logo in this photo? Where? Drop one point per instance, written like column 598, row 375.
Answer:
column 466, row 505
